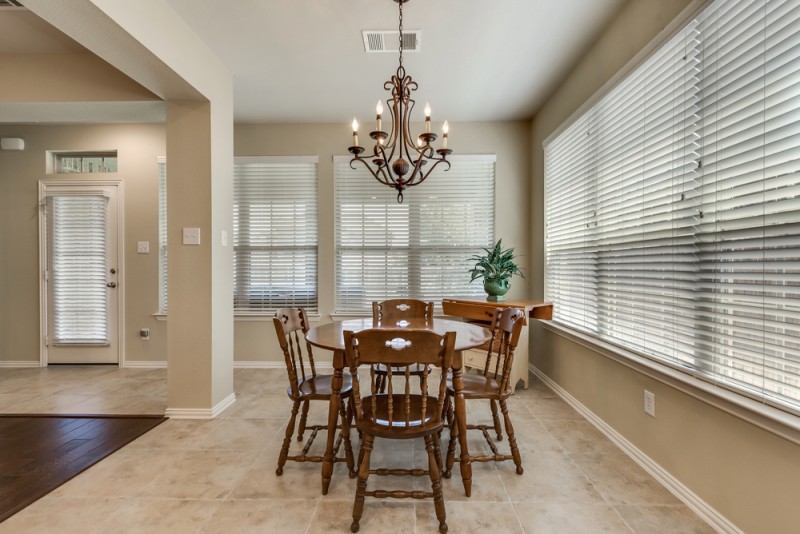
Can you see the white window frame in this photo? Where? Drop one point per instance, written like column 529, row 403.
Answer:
column 285, row 236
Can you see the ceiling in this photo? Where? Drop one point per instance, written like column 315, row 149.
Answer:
column 305, row 61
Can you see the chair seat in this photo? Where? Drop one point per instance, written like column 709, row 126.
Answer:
column 378, row 424
column 319, row 387
column 478, row 387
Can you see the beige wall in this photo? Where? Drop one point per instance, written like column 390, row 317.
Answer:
column 137, row 147
column 65, row 78
column 255, row 340
column 747, row 474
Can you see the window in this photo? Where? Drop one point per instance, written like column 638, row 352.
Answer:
column 417, row 249
column 274, row 233
column 84, row 162
column 673, row 223
column 162, row 234
column 78, row 239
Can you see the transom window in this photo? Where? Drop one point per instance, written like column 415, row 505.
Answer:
column 84, row 162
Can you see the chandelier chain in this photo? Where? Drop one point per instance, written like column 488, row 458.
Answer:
column 401, row 34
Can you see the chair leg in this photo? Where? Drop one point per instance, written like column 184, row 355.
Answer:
column 447, row 410
column 288, row 439
column 351, row 414
column 360, row 454
column 512, row 440
column 451, row 447
column 446, row 419
column 348, row 447
column 496, row 419
column 361, row 487
column 303, row 421
column 350, row 411
column 437, row 452
column 436, row 483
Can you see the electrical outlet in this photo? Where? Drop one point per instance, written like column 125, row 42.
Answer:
column 144, row 334
column 650, row 403
column 191, row 236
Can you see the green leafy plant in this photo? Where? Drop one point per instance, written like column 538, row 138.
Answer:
column 496, row 265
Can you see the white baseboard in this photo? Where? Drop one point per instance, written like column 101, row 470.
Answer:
column 706, row 512
column 143, row 364
column 201, row 413
column 273, row 364
column 20, row 363
column 259, row 364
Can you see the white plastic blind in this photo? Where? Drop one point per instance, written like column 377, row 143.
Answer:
column 162, row 234
column 672, row 204
column 275, row 234
column 78, row 269
column 417, row 249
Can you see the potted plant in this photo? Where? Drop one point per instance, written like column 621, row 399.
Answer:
column 496, row 267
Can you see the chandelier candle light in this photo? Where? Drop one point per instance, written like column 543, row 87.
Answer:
column 397, row 153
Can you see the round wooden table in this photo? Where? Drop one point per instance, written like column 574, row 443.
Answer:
column 330, row 336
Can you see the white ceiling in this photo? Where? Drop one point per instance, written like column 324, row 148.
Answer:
column 304, row 61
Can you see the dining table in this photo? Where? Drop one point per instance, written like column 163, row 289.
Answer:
column 330, row 336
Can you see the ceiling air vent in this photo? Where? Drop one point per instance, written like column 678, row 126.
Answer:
column 388, row 41
column 10, row 3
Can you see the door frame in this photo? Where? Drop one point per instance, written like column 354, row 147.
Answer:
column 120, row 237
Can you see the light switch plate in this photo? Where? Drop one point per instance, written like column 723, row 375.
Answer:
column 224, row 238
column 191, row 236
column 143, row 247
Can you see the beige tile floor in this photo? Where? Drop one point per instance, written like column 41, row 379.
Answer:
column 218, row 476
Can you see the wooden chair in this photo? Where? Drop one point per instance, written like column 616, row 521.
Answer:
column 392, row 313
column 492, row 385
column 305, row 385
column 399, row 413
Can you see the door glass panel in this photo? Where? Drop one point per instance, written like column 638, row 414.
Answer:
column 78, row 270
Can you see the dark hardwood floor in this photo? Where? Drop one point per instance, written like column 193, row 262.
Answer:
column 39, row 453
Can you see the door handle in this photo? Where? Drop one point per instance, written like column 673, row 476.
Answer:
column 111, row 284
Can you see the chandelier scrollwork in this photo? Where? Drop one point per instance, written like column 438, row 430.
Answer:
column 398, row 158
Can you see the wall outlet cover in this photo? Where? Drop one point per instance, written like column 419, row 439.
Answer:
column 650, row 403
column 191, row 236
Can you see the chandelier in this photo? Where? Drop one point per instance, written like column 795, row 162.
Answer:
column 398, row 158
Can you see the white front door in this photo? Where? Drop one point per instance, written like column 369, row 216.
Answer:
column 80, row 278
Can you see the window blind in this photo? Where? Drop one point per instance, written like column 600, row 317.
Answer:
column 672, row 204
column 417, row 249
column 78, row 269
column 275, row 234
column 162, row 234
